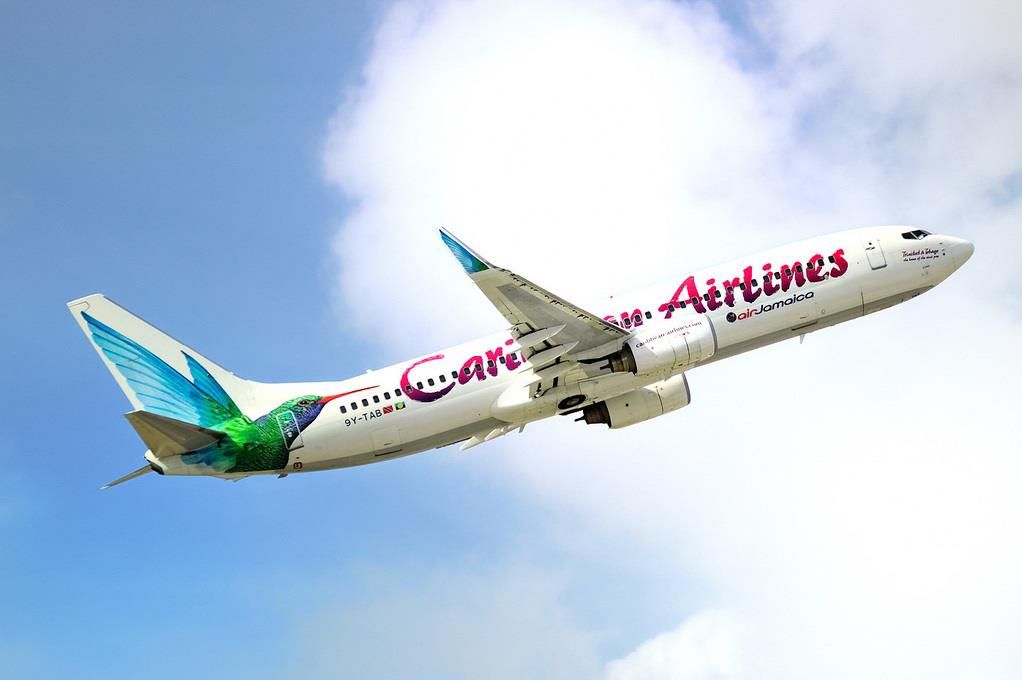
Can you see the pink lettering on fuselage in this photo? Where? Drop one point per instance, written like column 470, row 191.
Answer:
column 723, row 293
column 474, row 367
column 751, row 287
column 421, row 395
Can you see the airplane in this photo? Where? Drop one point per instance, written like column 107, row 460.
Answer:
column 620, row 367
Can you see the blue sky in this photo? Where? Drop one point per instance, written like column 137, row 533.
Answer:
column 236, row 174
column 166, row 157
column 170, row 157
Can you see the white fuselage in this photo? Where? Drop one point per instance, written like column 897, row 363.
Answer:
column 450, row 395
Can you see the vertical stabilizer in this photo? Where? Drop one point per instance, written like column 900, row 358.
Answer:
column 157, row 373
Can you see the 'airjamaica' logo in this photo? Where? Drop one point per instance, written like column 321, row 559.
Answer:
column 750, row 312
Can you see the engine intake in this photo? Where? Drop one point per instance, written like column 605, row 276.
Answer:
column 641, row 404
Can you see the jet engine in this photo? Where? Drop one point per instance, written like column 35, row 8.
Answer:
column 641, row 404
column 667, row 346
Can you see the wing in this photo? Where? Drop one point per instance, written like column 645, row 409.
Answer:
column 535, row 314
column 159, row 386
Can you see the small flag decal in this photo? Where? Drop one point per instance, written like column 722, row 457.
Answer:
column 388, row 409
column 399, row 405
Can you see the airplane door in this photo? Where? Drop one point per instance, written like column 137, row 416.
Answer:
column 875, row 254
column 289, row 429
column 292, row 438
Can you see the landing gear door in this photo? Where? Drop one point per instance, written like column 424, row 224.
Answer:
column 875, row 254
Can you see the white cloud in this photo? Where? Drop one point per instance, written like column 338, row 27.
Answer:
column 851, row 501
column 460, row 622
column 704, row 647
column 545, row 134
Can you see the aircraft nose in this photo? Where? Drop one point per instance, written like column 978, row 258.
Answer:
column 961, row 251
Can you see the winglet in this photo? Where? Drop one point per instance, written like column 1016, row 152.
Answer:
column 469, row 260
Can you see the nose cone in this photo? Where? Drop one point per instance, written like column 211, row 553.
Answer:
column 961, row 251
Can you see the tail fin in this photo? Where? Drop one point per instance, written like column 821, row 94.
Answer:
column 150, row 366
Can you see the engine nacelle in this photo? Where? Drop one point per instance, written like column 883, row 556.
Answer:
column 641, row 404
column 667, row 346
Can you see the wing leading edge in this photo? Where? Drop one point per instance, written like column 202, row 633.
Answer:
column 531, row 309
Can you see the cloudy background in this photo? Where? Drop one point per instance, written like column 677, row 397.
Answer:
column 843, row 508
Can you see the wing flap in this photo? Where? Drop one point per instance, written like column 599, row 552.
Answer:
column 537, row 337
column 490, row 435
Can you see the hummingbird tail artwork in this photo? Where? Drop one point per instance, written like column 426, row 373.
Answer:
column 190, row 411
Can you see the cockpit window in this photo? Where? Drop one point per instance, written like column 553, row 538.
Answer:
column 915, row 234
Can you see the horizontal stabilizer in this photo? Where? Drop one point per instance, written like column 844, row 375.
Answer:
column 131, row 475
column 169, row 437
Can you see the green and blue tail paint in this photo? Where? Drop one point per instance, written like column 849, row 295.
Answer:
column 195, row 418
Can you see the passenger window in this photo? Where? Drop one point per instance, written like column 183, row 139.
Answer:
column 742, row 285
column 419, row 384
column 695, row 301
column 443, row 377
column 376, row 399
column 408, row 390
column 386, row 395
column 682, row 303
column 501, row 358
column 649, row 314
column 671, row 307
column 831, row 259
column 344, row 409
column 467, row 370
column 627, row 322
column 431, row 381
column 354, row 406
column 365, row 402
column 454, row 375
column 716, row 294
column 489, row 363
